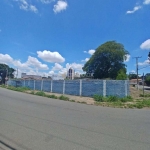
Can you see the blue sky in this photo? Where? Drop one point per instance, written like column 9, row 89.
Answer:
column 47, row 37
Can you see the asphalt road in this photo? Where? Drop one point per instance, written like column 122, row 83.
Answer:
column 29, row 122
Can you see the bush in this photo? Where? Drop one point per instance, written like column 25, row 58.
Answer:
column 40, row 93
column 146, row 103
column 52, row 96
column 62, row 97
column 113, row 99
column 139, row 105
column 98, row 98
column 121, row 75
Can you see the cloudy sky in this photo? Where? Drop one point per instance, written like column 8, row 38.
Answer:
column 47, row 37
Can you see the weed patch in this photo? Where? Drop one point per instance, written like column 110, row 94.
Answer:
column 40, row 93
column 62, row 97
column 52, row 96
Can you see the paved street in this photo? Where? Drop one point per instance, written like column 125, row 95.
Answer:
column 29, row 122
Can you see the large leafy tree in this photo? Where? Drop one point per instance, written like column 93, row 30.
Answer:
column 107, row 60
column 6, row 71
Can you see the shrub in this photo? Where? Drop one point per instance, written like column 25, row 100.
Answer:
column 52, row 96
column 113, row 98
column 62, row 97
column 40, row 93
column 147, row 80
column 146, row 103
column 121, row 75
column 139, row 105
column 126, row 99
column 98, row 98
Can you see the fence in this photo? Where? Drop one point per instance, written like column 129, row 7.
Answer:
column 88, row 88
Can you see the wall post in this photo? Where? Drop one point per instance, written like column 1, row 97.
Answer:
column 42, row 85
column 126, row 88
column 34, row 85
column 64, row 87
column 80, row 92
column 51, row 86
column 104, row 88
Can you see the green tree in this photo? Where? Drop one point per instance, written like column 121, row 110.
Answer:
column 132, row 76
column 6, row 71
column 107, row 60
column 121, row 75
column 147, row 79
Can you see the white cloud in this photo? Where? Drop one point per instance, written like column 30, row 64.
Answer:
column 24, row 5
column 47, row 1
column 136, row 8
column 49, row 56
column 85, row 60
column 31, row 64
column 127, row 58
column 33, row 8
column 23, row 66
column 145, row 45
column 74, row 66
column 146, row 2
column 57, row 67
column 91, row 52
column 63, row 71
column 32, row 61
column 60, row 6
column 5, row 58
column 51, row 72
column 146, row 62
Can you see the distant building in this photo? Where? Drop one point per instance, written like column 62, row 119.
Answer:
column 25, row 76
column 71, row 74
column 57, row 77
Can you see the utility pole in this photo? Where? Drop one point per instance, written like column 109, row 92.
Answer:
column 137, row 68
column 17, row 73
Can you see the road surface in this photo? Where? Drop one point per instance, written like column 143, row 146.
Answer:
column 29, row 122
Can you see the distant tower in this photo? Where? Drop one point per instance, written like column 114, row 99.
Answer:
column 71, row 74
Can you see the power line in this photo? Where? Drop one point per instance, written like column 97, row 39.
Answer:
column 144, row 67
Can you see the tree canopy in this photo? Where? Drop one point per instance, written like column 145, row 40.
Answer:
column 6, row 71
column 132, row 76
column 107, row 60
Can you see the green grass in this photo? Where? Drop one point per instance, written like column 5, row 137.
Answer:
column 145, row 95
column 19, row 89
column 40, row 93
column 3, row 86
column 115, row 101
column 99, row 98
